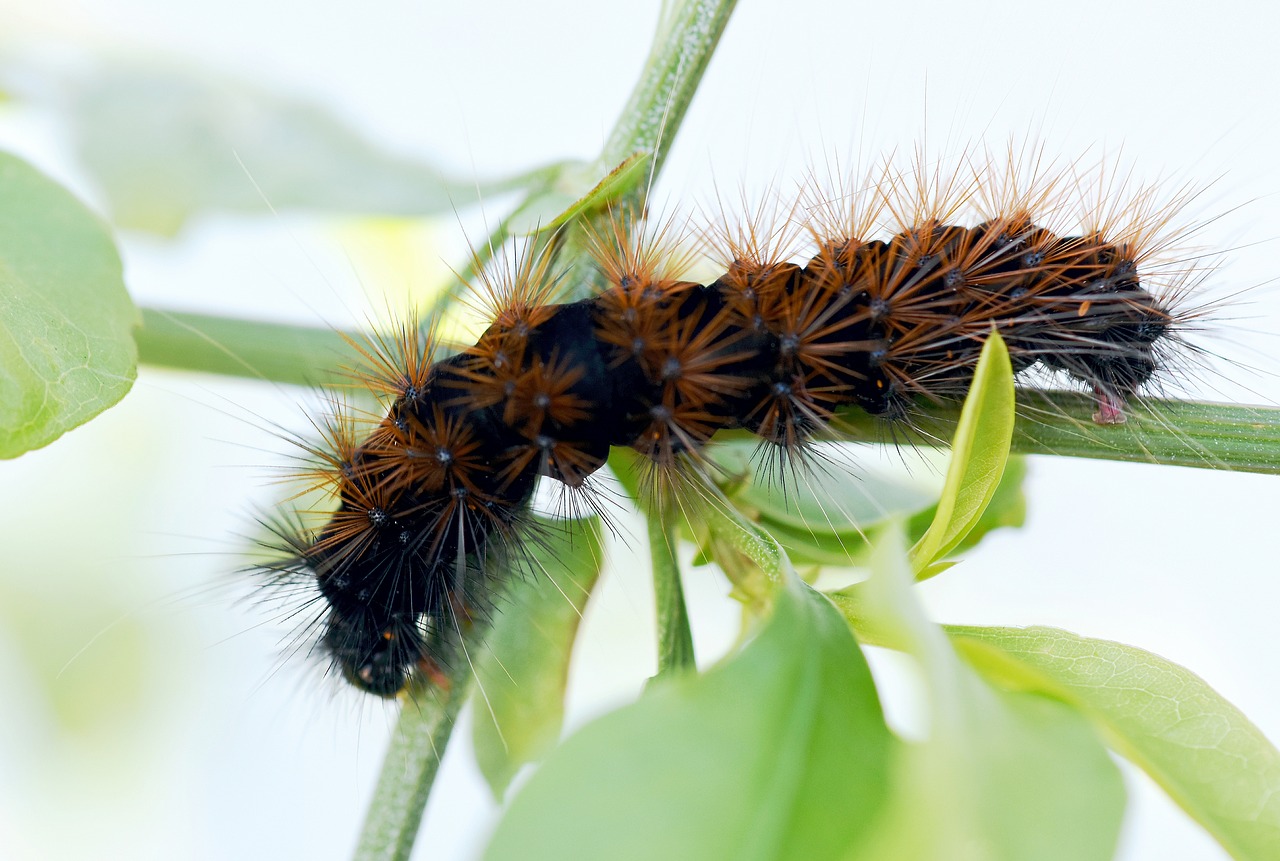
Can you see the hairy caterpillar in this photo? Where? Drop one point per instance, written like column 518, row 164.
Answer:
column 1152, row 589
column 428, row 492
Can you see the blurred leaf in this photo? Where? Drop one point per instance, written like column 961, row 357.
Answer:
column 822, row 516
column 66, row 320
column 780, row 752
column 979, row 451
column 165, row 144
column 830, row 498
column 1016, row 777
column 828, row 516
column 1003, row 776
column 1207, row 755
column 522, row 673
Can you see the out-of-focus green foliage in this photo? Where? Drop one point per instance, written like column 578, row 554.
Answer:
column 66, row 321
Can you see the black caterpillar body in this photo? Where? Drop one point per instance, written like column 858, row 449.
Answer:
column 661, row 365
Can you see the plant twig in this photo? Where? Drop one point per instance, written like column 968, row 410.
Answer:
column 1174, row 433
column 1233, row 437
column 687, row 35
column 409, row 768
column 278, row 352
column 675, row 642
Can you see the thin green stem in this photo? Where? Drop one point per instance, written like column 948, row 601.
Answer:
column 688, row 32
column 1231, row 437
column 1175, row 433
column 675, row 642
column 409, row 768
column 687, row 35
column 277, row 352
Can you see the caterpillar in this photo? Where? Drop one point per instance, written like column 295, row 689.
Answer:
column 431, row 492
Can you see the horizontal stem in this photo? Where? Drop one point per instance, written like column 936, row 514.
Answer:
column 1177, row 433
column 280, row 352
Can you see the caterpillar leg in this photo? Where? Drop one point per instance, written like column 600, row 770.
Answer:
column 1110, row 407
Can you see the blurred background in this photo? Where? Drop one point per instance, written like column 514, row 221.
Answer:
column 148, row 711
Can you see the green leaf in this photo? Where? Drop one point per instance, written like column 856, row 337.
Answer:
column 830, row 516
column 779, row 753
column 522, row 673
column 815, row 547
column 1002, row 776
column 1007, row 508
column 66, row 320
column 1207, row 755
column 979, row 451
column 831, row 499
column 165, row 143
column 576, row 189
column 823, row 517
column 1015, row 777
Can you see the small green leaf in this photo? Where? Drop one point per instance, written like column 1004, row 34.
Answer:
column 66, row 320
column 828, row 516
column 1007, row 508
column 779, row 753
column 823, row 517
column 574, row 190
column 675, row 640
column 1207, row 755
column 979, row 451
column 830, row 499
column 522, row 673
column 1002, row 776
column 814, row 547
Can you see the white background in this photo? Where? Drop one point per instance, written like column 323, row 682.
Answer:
column 128, row 527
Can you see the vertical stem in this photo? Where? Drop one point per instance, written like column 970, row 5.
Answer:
column 688, row 33
column 675, row 642
column 409, row 768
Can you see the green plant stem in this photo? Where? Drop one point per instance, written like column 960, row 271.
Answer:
column 688, row 32
column 1174, row 433
column 409, row 768
column 675, row 642
column 687, row 35
column 278, row 352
